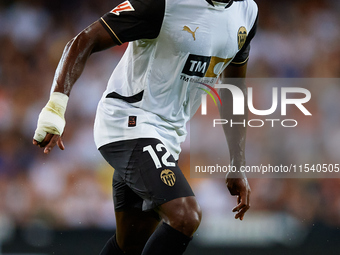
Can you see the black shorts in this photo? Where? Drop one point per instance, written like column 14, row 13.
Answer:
column 146, row 175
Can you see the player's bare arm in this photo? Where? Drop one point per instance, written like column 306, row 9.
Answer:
column 92, row 39
column 237, row 183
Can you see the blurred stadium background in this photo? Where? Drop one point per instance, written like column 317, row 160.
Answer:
column 61, row 203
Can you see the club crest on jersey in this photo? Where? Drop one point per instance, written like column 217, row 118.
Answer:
column 241, row 37
column 168, row 177
column 123, row 7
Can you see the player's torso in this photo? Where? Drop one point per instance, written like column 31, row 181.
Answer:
column 196, row 41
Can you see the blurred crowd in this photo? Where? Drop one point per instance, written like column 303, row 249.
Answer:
column 72, row 188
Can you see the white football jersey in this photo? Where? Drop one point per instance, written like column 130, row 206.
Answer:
column 175, row 48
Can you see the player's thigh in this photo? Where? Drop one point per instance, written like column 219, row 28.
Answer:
column 146, row 171
column 159, row 179
column 134, row 227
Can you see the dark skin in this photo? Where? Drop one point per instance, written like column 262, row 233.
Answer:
column 134, row 227
column 237, row 183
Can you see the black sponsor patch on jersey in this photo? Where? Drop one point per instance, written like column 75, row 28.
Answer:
column 196, row 65
column 132, row 121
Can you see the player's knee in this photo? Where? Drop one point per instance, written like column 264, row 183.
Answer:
column 193, row 218
column 186, row 217
column 188, row 221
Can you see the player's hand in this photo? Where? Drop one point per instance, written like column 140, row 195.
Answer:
column 49, row 142
column 238, row 186
column 51, row 123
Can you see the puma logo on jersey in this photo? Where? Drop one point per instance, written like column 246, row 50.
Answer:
column 193, row 33
column 123, row 7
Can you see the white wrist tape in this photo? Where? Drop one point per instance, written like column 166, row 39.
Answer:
column 51, row 119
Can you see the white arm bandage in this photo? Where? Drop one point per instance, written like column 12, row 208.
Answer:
column 51, row 119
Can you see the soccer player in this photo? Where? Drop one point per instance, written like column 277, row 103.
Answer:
column 175, row 48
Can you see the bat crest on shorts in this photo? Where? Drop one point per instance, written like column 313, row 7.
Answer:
column 168, row 177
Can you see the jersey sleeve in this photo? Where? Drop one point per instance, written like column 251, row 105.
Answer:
column 243, row 55
column 132, row 20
